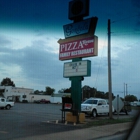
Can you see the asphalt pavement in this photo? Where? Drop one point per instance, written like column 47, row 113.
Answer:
column 38, row 121
column 91, row 133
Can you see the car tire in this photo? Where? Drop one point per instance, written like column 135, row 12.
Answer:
column 94, row 113
column 8, row 107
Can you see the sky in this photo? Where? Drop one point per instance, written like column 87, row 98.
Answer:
column 29, row 51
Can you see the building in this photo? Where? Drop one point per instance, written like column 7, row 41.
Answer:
column 57, row 98
column 19, row 94
column 16, row 93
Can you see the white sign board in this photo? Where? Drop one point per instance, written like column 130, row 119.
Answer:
column 79, row 68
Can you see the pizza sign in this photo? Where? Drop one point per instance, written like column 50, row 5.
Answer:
column 78, row 48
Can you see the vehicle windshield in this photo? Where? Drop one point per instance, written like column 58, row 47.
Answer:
column 90, row 102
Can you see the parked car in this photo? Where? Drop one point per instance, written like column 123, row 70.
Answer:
column 95, row 106
column 4, row 103
column 42, row 101
column 36, row 101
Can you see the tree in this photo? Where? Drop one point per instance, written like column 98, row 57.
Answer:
column 7, row 82
column 131, row 98
column 36, row 92
column 92, row 92
column 88, row 92
column 49, row 90
column 100, row 94
column 106, row 96
column 68, row 90
column 61, row 90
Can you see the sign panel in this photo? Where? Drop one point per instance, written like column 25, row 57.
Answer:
column 79, row 48
column 87, row 26
column 78, row 28
column 79, row 68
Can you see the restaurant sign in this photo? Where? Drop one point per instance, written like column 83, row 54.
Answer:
column 79, row 28
column 85, row 47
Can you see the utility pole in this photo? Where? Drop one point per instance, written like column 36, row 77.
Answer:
column 124, row 91
column 109, row 71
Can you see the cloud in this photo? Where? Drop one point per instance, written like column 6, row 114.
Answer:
column 37, row 64
column 4, row 41
column 29, row 49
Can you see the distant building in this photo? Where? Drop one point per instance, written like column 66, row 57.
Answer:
column 16, row 93
column 19, row 94
column 135, row 103
column 57, row 98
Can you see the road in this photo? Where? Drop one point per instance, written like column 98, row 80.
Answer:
column 25, row 119
column 114, row 137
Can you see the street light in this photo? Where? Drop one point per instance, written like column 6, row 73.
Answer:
column 125, row 90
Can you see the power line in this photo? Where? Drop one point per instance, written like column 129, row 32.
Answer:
column 125, row 33
column 100, row 63
column 129, row 17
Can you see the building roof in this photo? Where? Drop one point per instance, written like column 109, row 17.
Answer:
column 61, row 94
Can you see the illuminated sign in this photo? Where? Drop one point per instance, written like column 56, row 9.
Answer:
column 78, row 48
column 79, row 68
column 76, row 28
column 79, row 28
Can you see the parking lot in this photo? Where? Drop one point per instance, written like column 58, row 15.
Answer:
column 27, row 119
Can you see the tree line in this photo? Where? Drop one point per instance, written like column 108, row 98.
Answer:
column 87, row 91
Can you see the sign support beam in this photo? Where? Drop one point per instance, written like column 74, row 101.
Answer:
column 109, row 71
column 76, row 90
column 79, row 42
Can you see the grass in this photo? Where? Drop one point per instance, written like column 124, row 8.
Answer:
column 108, row 121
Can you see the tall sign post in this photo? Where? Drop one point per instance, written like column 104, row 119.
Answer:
column 109, row 71
column 79, row 42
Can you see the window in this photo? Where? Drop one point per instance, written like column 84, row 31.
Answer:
column 90, row 102
column 100, row 102
column 2, row 100
column 103, row 102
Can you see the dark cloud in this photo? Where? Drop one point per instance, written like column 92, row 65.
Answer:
column 28, row 12
column 136, row 3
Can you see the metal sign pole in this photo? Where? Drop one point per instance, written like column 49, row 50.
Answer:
column 79, row 42
column 118, row 106
column 109, row 71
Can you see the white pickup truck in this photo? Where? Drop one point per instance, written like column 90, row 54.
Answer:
column 95, row 106
column 4, row 103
